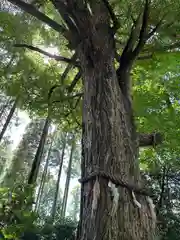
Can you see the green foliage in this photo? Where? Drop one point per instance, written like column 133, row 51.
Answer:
column 19, row 221
column 16, row 216
column 162, row 170
column 61, row 230
column 65, row 231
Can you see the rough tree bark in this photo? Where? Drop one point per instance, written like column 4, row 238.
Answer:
column 109, row 145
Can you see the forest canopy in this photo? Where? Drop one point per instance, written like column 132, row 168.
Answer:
column 98, row 84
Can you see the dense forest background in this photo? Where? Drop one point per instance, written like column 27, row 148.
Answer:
column 40, row 130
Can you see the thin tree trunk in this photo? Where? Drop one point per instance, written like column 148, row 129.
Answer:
column 161, row 198
column 37, row 159
column 9, row 117
column 76, row 201
column 68, row 177
column 4, row 108
column 43, row 179
column 58, row 179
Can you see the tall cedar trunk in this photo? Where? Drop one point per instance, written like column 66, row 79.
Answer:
column 68, row 177
column 58, row 179
column 37, row 159
column 43, row 179
column 9, row 117
column 109, row 144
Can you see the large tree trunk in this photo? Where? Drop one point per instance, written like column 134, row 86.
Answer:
column 110, row 146
column 37, row 159
column 68, row 177
column 9, row 117
column 58, row 179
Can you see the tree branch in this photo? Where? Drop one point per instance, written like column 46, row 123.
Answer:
column 129, row 54
column 166, row 49
column 66, row 14
column 144, row 57
column 37, row 3
column 151, row 33
column 74, row 82
column 63, row 76
column 132, row 39
column 144, row 36
column 72, row 109
column 170, row 47
column 112, row 15
column 152, row 139
column 68, row 68
column 39, row 15
column 58, row 58
column 143, row 32
column 70, row 97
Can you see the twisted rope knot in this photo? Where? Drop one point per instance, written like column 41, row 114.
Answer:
column 116, row 180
